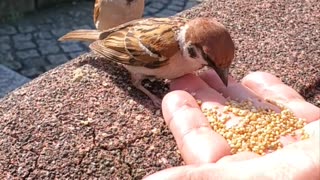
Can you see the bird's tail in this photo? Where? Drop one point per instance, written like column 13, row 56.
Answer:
column 81, row 35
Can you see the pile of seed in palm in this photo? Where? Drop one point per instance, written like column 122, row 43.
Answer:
column 259, row 130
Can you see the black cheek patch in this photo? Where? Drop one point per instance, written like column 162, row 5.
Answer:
column 192, row 52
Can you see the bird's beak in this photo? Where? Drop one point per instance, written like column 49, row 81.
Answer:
column 223, row 74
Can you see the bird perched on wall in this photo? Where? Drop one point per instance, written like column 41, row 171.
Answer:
column 165, row 48
column 111, row 13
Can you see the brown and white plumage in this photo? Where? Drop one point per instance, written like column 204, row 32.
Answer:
column 110, row 13
column 164, row 48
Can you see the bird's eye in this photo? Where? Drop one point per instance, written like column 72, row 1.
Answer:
column 192, row 52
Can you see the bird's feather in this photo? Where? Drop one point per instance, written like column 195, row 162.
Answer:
column 149, row 43
column 81, row 35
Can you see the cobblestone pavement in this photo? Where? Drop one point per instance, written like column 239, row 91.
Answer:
column 29, row 45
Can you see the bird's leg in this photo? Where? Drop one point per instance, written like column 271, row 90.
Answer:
column 136, row 81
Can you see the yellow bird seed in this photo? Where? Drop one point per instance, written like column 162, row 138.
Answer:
column 259, row 130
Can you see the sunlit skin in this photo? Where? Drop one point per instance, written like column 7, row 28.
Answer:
column 207, row 154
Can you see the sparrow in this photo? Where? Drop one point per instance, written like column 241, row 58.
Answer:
column 111, row 13
column 164, row 48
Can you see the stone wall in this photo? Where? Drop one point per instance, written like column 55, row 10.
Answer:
column 17, row 7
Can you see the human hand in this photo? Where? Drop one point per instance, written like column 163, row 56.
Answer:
column 207, row 154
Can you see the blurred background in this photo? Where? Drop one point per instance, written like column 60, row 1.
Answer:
column 29, row 30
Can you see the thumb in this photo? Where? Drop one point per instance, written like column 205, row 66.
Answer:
column 296, row 161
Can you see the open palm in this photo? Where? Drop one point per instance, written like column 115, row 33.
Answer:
column 207, row 154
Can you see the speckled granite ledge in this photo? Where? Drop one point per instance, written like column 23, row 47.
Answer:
column 81, row 120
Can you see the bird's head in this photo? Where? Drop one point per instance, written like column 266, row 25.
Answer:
column 210, row 41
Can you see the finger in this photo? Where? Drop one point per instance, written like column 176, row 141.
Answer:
column 213, row 80
column 238, row 157
column 236, row 91
column 204, row 171
column 191, row 130
column 312, row 129
column 199, row 89
column 299, row 161
column 270, row 87
column 210, row 98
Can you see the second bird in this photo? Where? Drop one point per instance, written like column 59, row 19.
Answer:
column 111, row 13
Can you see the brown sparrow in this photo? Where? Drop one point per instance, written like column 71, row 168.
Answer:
column 165, row 48
column 111, row 13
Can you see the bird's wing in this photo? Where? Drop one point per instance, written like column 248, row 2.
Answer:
column 150, row 42
column 112, row 47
